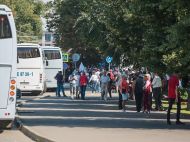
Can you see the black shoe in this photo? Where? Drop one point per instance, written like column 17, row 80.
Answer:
column 179, row 123
column 64, row 95
column 169, row 122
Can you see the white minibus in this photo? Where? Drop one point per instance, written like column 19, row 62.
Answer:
column 30, row 68
column 8, row 59
column 53, row 64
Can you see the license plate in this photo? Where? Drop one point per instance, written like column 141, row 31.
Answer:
column 24, row 83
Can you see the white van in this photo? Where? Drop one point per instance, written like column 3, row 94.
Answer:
column 53, row 64
column 8, row 58
column 30, row 68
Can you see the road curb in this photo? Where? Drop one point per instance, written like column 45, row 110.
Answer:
column 26, row 130
column 30, row 133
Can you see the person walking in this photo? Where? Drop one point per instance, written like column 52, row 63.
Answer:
column 110, row 83
column 156, row 88
column 138, row 91
column 104, row 85
column 83, row 83
column 124, row 88
column 118, row 77
column 59, row 78
column 174, row 96
column 78, row 85
column 97, row 73
column 118, row 82
column 94, row 81
column 147, row 92
column 73, row 83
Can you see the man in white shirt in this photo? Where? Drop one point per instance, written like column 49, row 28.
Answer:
column 73, row 83
column 104, row 85
column 77, row 85
column 156, row 85
column 98, row 83
column 94, row 81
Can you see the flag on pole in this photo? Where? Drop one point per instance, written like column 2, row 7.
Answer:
column 81, row 67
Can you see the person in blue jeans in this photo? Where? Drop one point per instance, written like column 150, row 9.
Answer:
column 59, row 78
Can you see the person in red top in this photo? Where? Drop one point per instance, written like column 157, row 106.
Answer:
column 124, row 88
column 110, row 83
column 83, row 82
column 173, row 95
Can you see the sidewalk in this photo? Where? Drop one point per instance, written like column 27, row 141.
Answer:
column 63, row 119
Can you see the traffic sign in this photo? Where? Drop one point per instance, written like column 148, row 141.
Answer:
column 75, row 57
column 65, row 57
column 65, row 66
column 109, row 59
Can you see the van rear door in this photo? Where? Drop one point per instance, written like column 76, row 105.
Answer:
column 4, row 85
column 6, row 50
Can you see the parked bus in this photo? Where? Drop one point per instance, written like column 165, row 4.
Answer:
column 8, row 58
column 30, row 68
column 53, row 64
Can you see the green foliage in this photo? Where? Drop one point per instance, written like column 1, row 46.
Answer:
column 183, row 93
column 152, row 33
column 27, row 18
column 63, row 22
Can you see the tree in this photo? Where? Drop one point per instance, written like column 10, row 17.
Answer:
column 62, row 22
column 27, row 18
column 145, row 33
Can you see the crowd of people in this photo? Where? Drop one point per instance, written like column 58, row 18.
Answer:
column 140, row 86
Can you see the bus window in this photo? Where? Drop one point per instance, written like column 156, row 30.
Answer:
column 5, row 30
column 52, row 54
column 28, row 52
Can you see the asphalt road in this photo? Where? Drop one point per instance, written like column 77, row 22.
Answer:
column 62, row 119
column 13, row 135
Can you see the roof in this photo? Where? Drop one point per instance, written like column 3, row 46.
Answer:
column 5, row 8
column 49, row 47
column 28, row 44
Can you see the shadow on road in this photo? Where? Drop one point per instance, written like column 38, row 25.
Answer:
column 63, row 112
